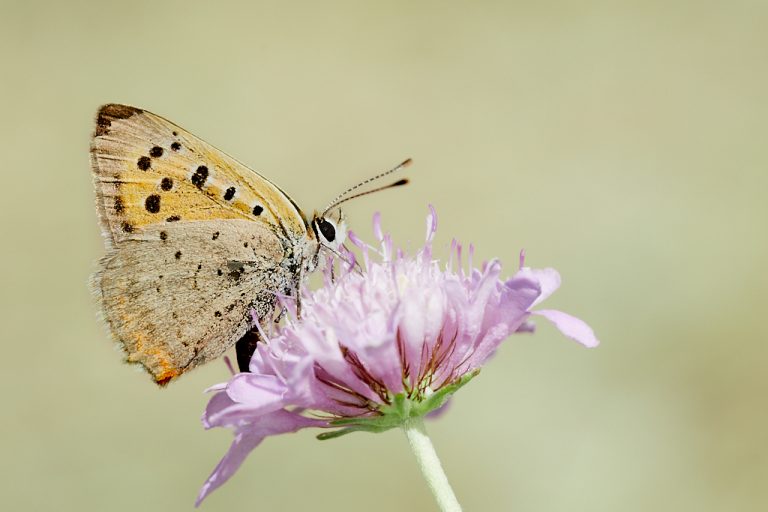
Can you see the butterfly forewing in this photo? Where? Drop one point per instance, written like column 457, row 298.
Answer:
column 150, row 171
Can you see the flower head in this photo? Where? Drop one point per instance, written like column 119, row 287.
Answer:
column 379, row 345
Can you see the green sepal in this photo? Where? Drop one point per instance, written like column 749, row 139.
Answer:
column 358, row 428
column 439, row 397
column 398, row 412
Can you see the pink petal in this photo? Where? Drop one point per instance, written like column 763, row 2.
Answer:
column 257, row 391
column 221, row 386
column 221, row 411
column 377, row 231
column 218, row 405
column 488, row 345
column 246, row 397
column 519, row 294
column 526, row 327
column 431, row 224
column 570, row 326
column 548, row 279
column 486, row 286
column 243, row 444
column 246, row 439
column 352, row 237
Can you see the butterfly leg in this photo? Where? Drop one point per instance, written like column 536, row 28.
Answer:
column 245, row 348
column 297, row 293
column 298, row 306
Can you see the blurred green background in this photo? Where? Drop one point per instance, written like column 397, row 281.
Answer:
column 623, row 143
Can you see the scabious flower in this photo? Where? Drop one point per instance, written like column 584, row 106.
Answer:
column 380, row 346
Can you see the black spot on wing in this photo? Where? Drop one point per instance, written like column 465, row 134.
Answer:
column 163, row 235
column 200, row 176
column 229, row 194
column 236, row 270
column 257, row 210
column 143, row 163
column 175, row 146
column 127, row 227
column 152, row 203
column 119, row 207
column 173, row 218
column 166, row 184
column 156, row 152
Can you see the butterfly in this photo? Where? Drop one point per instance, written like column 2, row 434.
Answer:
column 197, row 243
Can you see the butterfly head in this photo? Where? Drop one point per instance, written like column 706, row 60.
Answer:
column 330, row 232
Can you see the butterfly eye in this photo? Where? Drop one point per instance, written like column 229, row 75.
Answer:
column 327, row 229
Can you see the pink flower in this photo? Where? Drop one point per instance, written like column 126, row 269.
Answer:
column 376, row 347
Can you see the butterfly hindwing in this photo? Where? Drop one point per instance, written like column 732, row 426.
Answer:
column 178, row 301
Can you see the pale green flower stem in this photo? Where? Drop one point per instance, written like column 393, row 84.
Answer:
column 430, row 465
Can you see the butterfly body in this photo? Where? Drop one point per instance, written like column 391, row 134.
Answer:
column 196, row 242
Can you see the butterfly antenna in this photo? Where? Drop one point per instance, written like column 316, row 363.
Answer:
column 337, row 200
column 398, row 183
